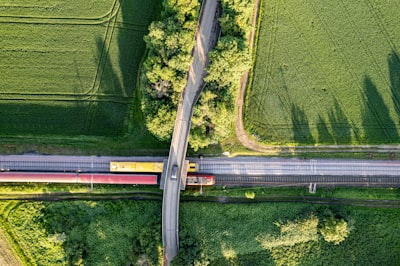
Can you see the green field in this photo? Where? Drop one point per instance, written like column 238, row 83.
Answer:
column 326, row 72
column 219, row 236
column 70, row 68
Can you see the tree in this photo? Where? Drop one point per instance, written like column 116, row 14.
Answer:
column 334, row 230
column 228, row 61
column 162, row 124
column 235, row 20
column 292, row 233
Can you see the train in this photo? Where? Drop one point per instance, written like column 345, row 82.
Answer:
column 145, row 167
column 99, row 178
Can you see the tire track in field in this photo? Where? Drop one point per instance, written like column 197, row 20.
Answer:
column 267, row 80
column 104, row 54
column 356, row 31
column 283, row 97
column 289, row 149
column 91, row 95
column 298, row 72
column 345, row 60
column 60, row 20
column 367, row 50
column 323, row 77
column 68, row 98
column 271, row 47
column 381, row 25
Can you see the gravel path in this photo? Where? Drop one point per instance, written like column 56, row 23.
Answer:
column 7, row 255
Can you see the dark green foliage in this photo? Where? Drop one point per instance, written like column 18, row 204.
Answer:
column 213, row 115
column 189, row 249
column 88, row 232
column 169, row 43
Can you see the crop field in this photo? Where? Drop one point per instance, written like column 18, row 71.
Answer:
column 70, row 67
column 326, row 72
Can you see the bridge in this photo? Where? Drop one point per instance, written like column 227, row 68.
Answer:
column 206, row 37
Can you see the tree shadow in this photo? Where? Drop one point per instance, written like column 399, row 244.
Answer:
column 324, row 136
column 119, row 54
column 376, row 120
column 301, row 128
column 340, row 125
column 394, row 75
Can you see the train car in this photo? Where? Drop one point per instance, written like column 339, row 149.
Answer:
column 200, row 180
column 94, row 178
column 121, row 179
column 144, row 167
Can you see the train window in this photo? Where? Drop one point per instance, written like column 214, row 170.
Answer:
column 174, row 172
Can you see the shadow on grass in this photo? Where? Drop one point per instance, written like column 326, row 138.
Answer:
column 340, row 132
column 300, row 125
column 324, row 135
column 340, row 124
column 394, row 73
column 376, row 120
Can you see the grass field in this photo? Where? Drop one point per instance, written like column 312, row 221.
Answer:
column 326, row 72
column 219, row 231
column 70, row 68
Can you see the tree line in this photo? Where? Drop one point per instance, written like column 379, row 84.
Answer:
column 169, row 43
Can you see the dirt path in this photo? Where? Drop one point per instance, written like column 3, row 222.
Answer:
column 7, row 255
column 252, row 144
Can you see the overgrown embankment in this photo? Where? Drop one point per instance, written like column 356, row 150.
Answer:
column 170, row 42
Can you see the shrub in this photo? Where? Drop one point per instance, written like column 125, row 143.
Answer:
column 334, row 230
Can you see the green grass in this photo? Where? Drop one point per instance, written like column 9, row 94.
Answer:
column 69, row 70
column 327, row 192
column 326, row 73
column 227, row 234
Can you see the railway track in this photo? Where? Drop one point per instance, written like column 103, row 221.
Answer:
column 301, row 180
column 249, row 171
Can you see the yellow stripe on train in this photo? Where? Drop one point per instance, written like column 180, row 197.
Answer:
column 144, row 167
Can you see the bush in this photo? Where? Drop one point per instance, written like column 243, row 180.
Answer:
column 250, row 194
column 334, row 230
column 292, row 233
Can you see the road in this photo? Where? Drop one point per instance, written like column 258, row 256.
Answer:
column 205, row 32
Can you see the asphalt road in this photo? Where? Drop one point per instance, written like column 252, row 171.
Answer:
column 205, row 33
